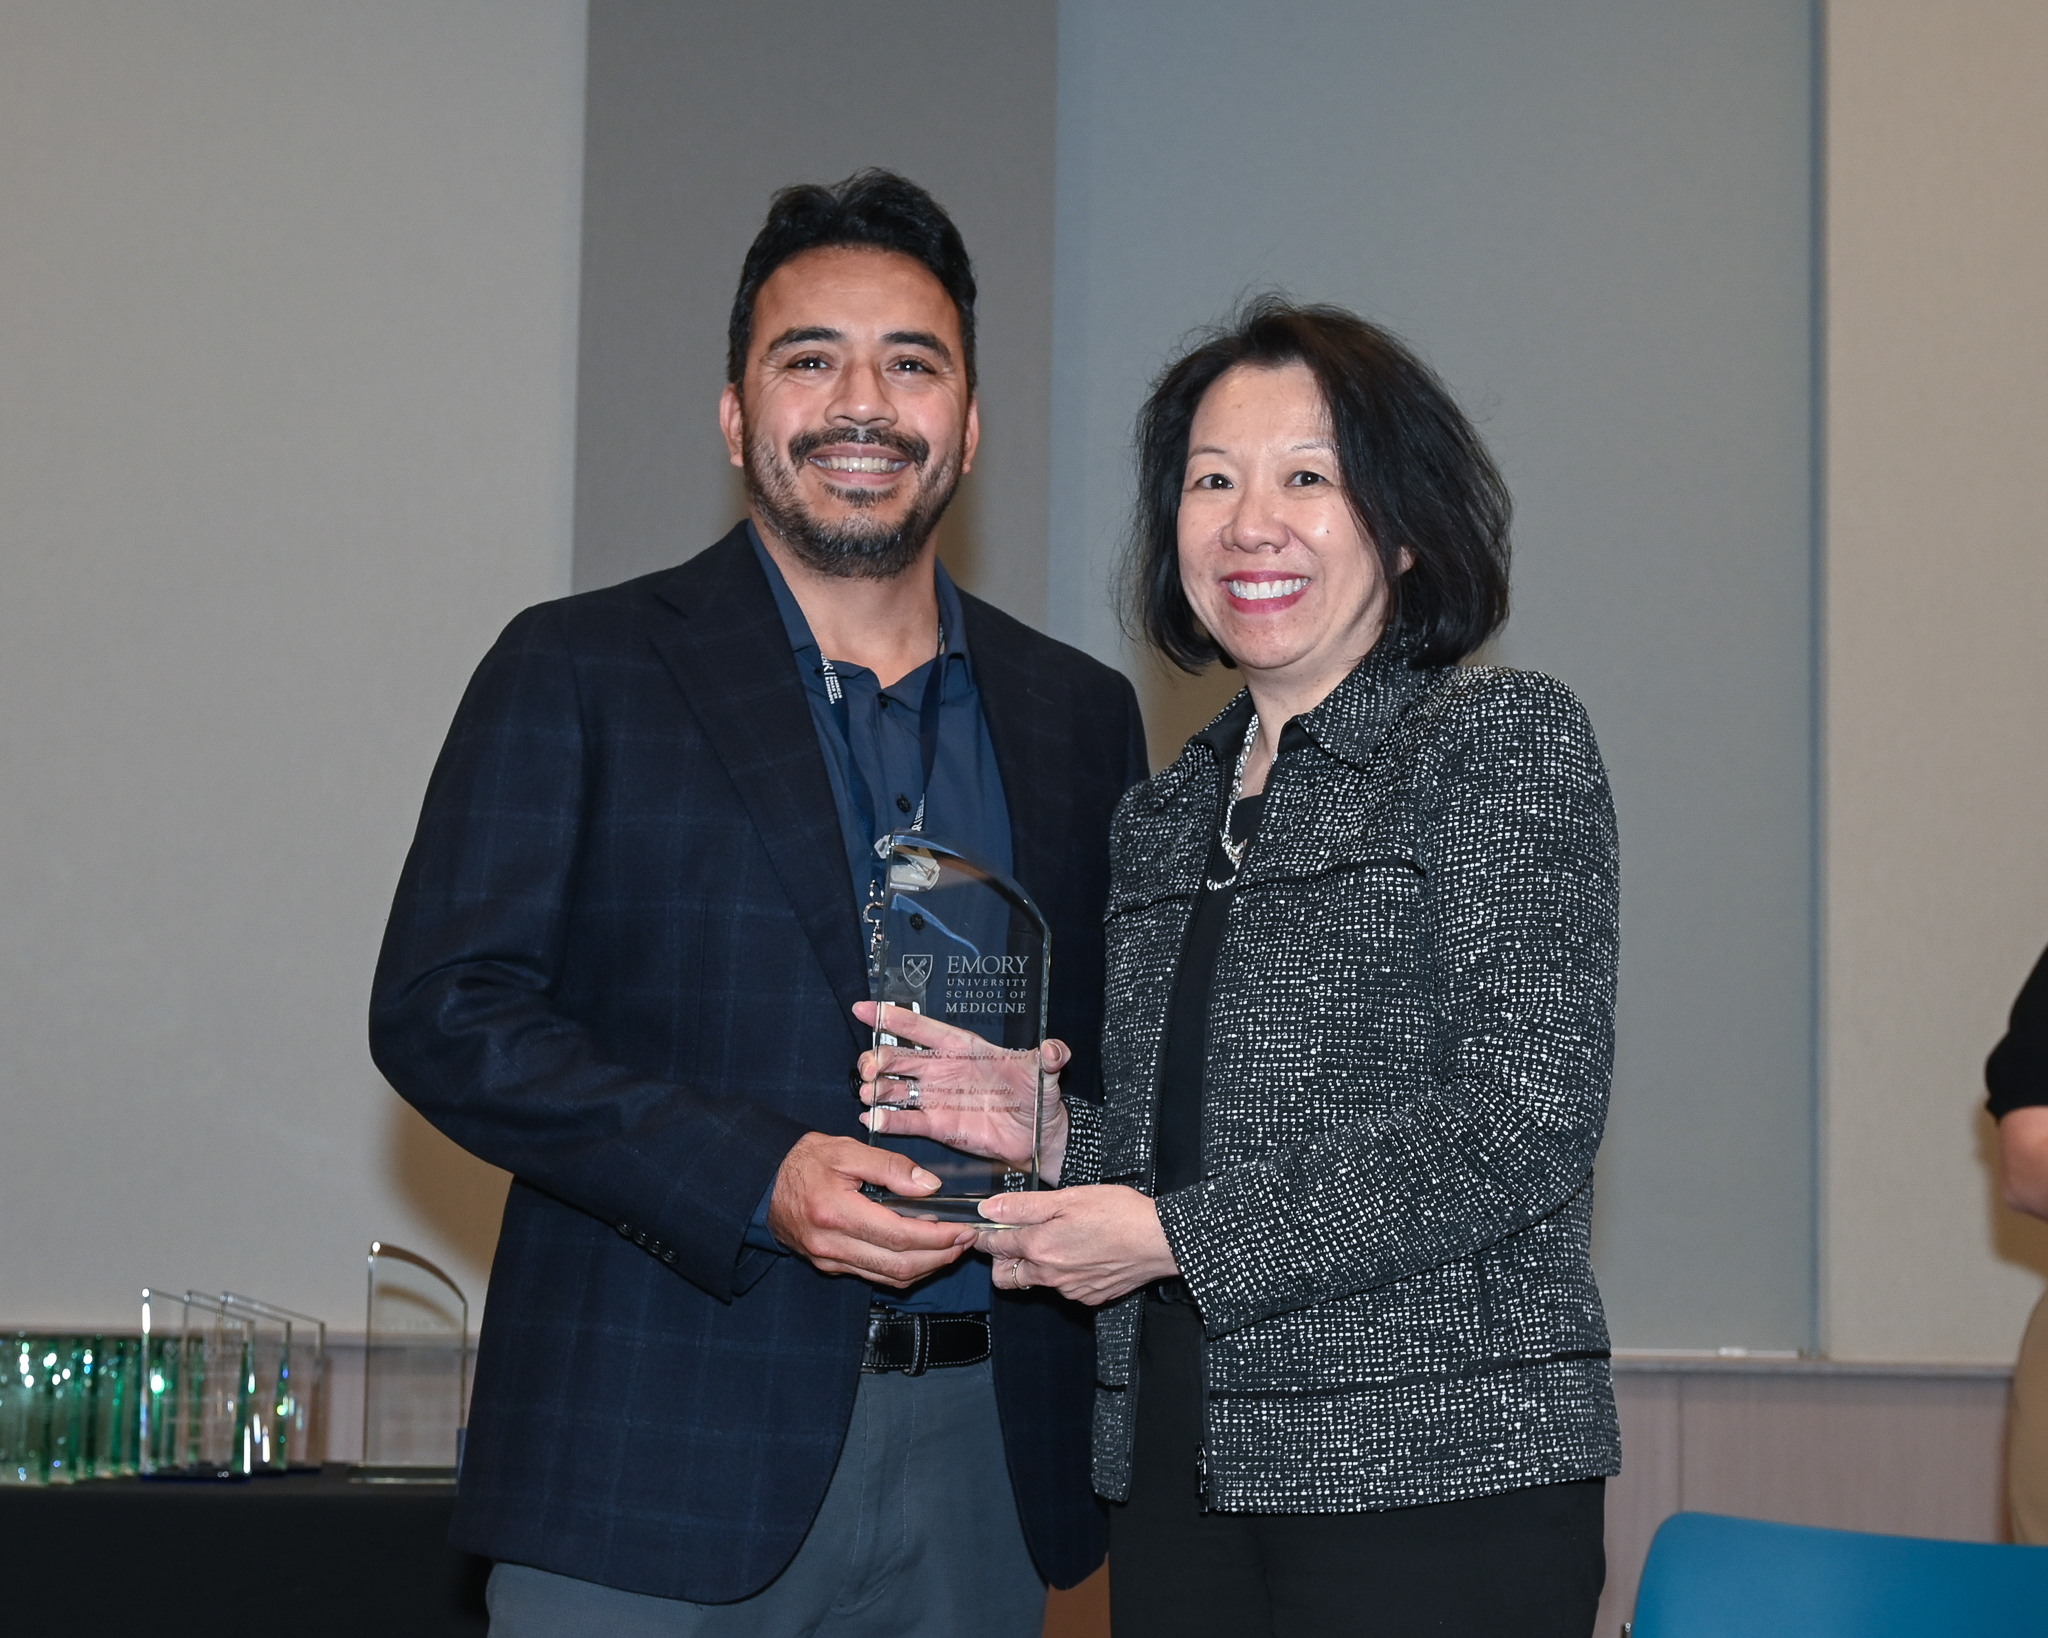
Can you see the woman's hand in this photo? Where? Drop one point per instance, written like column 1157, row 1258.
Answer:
column 961, row 1090
column 1092, row 1244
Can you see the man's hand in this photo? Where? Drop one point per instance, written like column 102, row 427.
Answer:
column 950, row 1085
column 1092, row 1244
column 818, row 1211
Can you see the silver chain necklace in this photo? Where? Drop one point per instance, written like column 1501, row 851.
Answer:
column 1234, row 850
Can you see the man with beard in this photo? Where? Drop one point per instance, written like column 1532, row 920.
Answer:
column 719, row 1390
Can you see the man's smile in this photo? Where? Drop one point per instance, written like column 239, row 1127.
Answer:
column 863, row 465
column 869, row 459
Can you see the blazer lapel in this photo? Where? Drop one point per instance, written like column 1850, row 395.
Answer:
column 729, row 653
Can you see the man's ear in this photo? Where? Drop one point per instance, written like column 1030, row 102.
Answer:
column 971, row 439
column 732, row 421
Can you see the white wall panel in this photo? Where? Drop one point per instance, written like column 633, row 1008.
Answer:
column 287, row 324
column 1937, row 657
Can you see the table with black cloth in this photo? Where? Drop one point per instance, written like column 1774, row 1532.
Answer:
column 308, row 1554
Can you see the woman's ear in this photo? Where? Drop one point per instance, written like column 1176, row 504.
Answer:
column 1404, row 560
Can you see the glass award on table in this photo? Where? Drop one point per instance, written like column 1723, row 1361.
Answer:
column 958, row 941
column 269, row 1383
column 116, row 1373
column 199, row 1364
column 415, row 1371
column 302, row 1384
column 167, row 1408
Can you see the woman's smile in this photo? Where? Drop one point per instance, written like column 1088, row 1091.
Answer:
column 1262, row 593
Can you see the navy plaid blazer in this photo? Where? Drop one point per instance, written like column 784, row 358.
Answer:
column 619, row 966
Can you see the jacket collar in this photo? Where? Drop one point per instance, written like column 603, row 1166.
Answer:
column 1350, row 720
column 1355, row 716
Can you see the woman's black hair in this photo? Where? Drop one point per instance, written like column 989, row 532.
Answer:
column 1415, row 472
column 873, row 208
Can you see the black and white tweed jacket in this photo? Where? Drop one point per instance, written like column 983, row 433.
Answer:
column 1411, row 1034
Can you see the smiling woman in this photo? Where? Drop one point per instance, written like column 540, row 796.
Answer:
column 1352, row 1368
column 1351, row 1364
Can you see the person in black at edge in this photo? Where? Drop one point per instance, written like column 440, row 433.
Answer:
column 718, row 1391
column 2017, row 1075
column 1362, row 935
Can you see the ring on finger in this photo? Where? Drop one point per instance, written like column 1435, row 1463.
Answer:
column 903, row 1092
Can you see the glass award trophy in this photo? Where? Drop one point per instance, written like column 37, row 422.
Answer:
column 199, row 1364
column 224, row 1385
column 116, row 1375
column 269, row 1384
column 168, row 1438
column 415, row 1371
column 959, row 941
column 302, row 1384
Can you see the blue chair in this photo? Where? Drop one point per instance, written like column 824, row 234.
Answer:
column 1714, row 1577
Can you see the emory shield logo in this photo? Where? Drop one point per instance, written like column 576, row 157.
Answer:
column 917, row 970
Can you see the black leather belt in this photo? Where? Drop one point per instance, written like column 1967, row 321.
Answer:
column 1171, row 1289
column 916, row 1343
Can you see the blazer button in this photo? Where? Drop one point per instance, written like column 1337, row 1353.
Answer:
column 669, row 1256
column 640, row 1239
column 626, row 1229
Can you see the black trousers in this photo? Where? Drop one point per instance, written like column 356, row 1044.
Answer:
column 1527, row 1562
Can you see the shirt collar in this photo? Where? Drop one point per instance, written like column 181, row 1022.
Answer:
column 1226, row 733
column 799, row 629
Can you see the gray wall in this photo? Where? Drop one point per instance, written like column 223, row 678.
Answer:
column 697, row 113
column 1595, row 216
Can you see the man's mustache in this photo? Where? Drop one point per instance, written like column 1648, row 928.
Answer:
column 913, row 449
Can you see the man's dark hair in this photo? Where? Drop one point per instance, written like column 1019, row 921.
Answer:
column 875, row 209
column 1414, row 471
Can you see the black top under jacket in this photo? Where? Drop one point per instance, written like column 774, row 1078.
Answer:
column 1177, row 1154
column 2017, row 1071
column 620, row 965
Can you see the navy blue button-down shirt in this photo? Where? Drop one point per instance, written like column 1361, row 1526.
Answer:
column 965, row 807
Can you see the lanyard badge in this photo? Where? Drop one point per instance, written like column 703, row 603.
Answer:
column 889, row 869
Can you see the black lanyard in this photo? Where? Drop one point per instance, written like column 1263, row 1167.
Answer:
column 927, row 744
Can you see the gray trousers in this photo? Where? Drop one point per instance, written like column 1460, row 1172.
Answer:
column 917, row 1538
